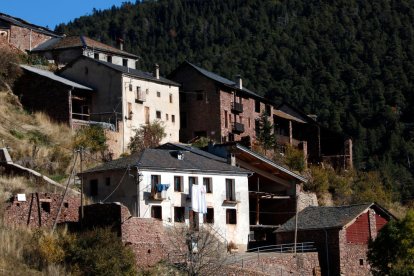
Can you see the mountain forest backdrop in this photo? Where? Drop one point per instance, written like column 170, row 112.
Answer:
column 350, row 62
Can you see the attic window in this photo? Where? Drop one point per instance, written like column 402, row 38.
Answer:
column 96, row 56
column 180, row 155
column 109, row 59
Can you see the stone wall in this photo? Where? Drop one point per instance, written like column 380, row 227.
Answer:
column 41, row 209
column 306, row 199
column 285, row 263
column 353, row 257
column 25, row 39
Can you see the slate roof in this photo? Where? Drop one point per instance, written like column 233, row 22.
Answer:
column 166, row 160
column 323, row 217
column 79, row 42
column 54, row 77
column 222, row 80
column 136, row 73
column 24, row 24
column 179, row 146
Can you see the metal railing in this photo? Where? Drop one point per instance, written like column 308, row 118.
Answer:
column 285, row 248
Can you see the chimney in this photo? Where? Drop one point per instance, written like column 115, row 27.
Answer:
column 239, row 82
column 120, row 44
column 231, row 159
column 156, row 71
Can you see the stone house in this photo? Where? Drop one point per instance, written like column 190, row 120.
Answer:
column 63, row 50
column 341, row 235
column 232, row 109
column 71, row 100
column 164, row 184
column 41, row 209
column 22, row 34
column 126, row 98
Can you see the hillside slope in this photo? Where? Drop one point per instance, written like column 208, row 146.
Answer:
column 350, row 62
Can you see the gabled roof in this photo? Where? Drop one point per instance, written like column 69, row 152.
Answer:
column 166, row 160
column 53, row 76
column 270, row 164
column 125, row 70
column 80, row 42
column 221, row 80
column 323, row 217
column 24, row 24
column 185, row 147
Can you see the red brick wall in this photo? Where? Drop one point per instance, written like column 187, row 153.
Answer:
column 20, row 38
column 359, row 232
column 30, row 213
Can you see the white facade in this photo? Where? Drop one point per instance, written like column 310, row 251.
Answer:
column 146, row 101
column 236, row 230
column 128, row 100
column 113, row 58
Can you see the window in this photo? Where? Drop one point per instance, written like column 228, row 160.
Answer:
column 66, row 204
column 155, row 179
column 109, row 58
column 209, row 217
column 158, row 114
column 45, row 206
column 361, row 261
column 130, row 87
column 125, row 62
column 226, row 122
column 171, row 98
column 208, row 183
column 173, row 118
column 257, row 127
column 93, row 186
column 230, row 119
column 183, row 120
column 108, row 181
column 192, row 180
column 158, row 94
column 257, row 106
column 231, row 216
column 96, row 56
column 156, row 212
column 249, row 123
column 166, row 117
column 268, row 109
column 179, row 214
column 147, row 91
column 230, row 190
column 178, row 183
column 199, row 95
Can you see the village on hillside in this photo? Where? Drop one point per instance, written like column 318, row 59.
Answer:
column 254, row 206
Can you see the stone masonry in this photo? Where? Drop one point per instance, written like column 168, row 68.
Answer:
column 41, row 209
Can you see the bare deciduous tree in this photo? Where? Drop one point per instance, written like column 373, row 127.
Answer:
column 196, row 252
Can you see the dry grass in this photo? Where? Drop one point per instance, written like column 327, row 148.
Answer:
column 34, row 140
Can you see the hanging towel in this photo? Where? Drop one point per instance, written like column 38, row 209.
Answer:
column 162, row 187
column 202, row 200
column 195, row 191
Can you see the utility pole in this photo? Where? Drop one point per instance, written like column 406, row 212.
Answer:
column 138, row 199
column 81, row 179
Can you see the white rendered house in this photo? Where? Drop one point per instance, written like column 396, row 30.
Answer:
column 158, row 183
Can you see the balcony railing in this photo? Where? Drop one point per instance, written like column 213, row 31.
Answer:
column 140, row 97
column 238, row 127
column 237, row 107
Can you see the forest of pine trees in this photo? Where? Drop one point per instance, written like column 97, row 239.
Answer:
column 350, row 62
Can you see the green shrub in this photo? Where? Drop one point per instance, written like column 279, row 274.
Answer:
column 294, row 159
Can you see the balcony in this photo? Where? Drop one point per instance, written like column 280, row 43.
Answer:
column 238, row 127
column 236, row 107
column 140, row 97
